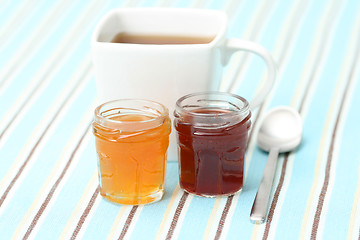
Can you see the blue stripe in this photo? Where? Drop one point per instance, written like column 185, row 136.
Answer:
column 347, row 162
column 63, row 204
column 347, row 168
column 241, row 222
column 23, row 27
column 9, row 9
column 150, row 216
column 44, row 164
column 20, row 135
column 271, row 26
column 151, row 3
column 40, row 58
column 307, row 154
column 73, row 188
column 196, row 217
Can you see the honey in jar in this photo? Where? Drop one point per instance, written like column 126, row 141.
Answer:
column 132, row 137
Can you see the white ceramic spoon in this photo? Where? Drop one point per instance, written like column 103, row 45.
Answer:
column 281, row 131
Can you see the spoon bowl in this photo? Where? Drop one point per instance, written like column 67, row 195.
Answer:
column 281, row 129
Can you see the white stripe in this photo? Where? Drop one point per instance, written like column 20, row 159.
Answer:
column 68, row 174
column 28, row 97
column 286, row 29
column 89, row 217
column 38, row 84
column 340, row 127
column 354, row 222
column 229, row 216
column 253, row 32
column 214, row 217
column 5, row 6
column 198, row 3
column 73, row 220
column 163, row 228
column 217, row 209
column 315, row 65
column 23, row 11
column 328, row 192
column 44, row 75
column 294, row 18
column 331, row 183
column 26, row 52
column 283, row 192
column 122, row 216
column 182, row 216
column 259, row 229
column 26, row 150
column 251, row 146
column 80, row 207
column 281, row 198
column 119, row 221
column 165, row 3
column 177, row 194
column 287, row 38
column 326, row 139
column 169, row 213
column 262, row 13
column 231, row 7
column 133, row 222
column 60, row 164
column 279, row 49
column 40, row 128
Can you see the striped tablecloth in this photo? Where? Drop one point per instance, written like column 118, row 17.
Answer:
column 48, row 179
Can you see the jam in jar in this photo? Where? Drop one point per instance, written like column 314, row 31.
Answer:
column 212, row 131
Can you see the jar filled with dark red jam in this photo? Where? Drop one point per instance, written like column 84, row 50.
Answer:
column 212, row 131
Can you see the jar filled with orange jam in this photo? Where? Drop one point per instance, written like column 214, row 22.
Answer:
column 132, row 138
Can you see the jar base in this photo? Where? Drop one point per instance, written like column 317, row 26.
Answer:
column 213, row 196
column 123, row 200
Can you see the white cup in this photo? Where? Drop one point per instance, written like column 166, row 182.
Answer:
column 166, row 72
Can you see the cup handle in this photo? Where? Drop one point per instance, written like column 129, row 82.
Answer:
column 233, row 45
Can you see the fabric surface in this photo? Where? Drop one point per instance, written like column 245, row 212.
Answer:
column 48, row 179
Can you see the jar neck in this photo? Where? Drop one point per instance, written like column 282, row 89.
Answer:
column 212, row 109
column 130, row 115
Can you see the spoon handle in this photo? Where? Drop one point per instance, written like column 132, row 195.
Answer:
column 261, row 202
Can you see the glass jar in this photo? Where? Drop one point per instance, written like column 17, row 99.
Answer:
column 132, row 137
column 212, row 131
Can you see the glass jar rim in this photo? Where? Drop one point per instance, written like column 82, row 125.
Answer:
column 159, row 113
column 237, row 111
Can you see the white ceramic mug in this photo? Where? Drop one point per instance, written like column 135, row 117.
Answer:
column 166, row 72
